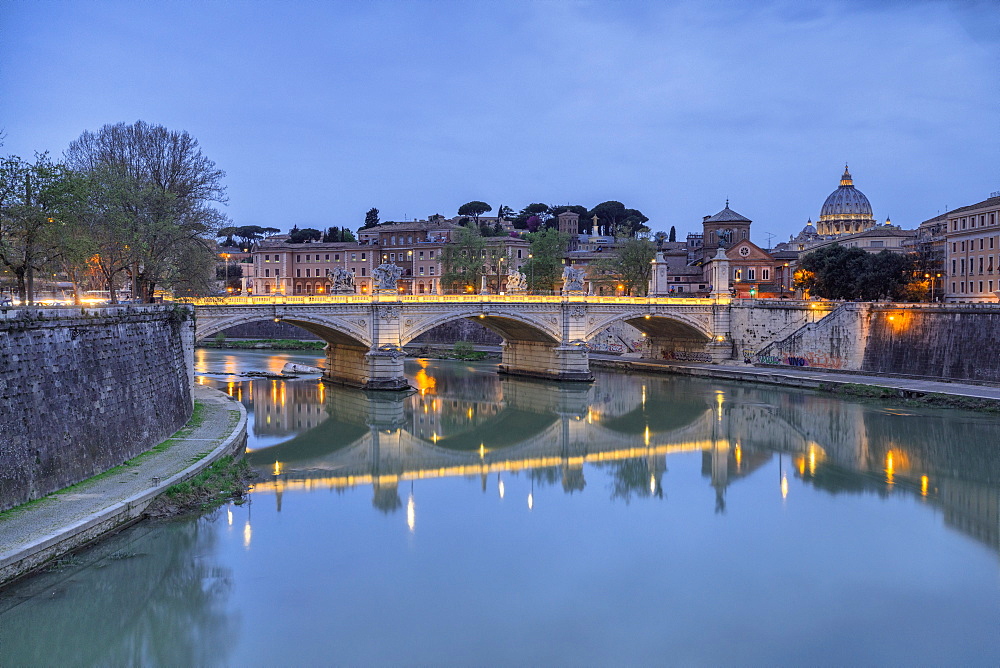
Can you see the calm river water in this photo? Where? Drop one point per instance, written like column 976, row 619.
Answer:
column 641, row 520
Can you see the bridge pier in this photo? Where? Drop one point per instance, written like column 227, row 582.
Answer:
column 544, row 360
column 369, row 369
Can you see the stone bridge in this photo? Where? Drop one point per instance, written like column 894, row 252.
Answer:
column 543, row 336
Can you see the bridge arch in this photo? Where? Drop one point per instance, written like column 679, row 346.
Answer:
column 659, row 325
column 331, row 330
column 511, row 327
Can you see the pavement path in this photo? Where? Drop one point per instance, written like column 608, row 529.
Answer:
column 39, row 531
column 802, row 377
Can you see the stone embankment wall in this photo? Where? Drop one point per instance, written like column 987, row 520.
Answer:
column 83, row 390
column 952, row 341
column 756, row 323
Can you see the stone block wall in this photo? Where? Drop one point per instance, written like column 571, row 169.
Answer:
column 952, row 341
column 83, row 390
column 757, row 323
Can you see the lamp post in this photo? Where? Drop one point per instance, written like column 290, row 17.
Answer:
column 531, row 270
column 930, row 288
column 225, row 256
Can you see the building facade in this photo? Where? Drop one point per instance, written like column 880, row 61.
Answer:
column 972, row 244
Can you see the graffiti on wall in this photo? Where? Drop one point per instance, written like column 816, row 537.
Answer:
column 686, row 356
column 607, row 347
column 820, row 360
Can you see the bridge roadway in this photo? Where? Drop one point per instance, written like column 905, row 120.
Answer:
column 543, row 336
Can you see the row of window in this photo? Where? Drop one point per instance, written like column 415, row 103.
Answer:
column 972, row 221
column 972, row 244
column 751, row 274
column 972, row 285
column 958, row 267
column 326, row 257
column 310, row 274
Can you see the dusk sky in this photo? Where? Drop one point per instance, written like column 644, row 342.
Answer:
column 318, row 111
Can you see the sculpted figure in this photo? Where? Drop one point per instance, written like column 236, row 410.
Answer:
column 343, row 280
column 386, row 275
column 572, row 279
column 516, row 281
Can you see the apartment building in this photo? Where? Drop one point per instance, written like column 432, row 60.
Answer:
column 972, row 244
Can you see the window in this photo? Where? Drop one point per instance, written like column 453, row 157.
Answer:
column 877, row 244
column 953, row 286
column 431, row 272
column 354, row 257
column 298, row 258
column 307, row 273
column 421, row 272
column 518, row 253
column 363, row 271
column 954, row 246
column 982, row 241
column 420, row 287
column 738, row 275
column 750, row 274
column 277, row 273
column 337, row 256
column 993, row 219
column 409, row 239
column 267, row 273
column 991, row 242
column 421, row 254
column 980, row 264
column 267, row 258
column 953, row 269
column 963, row 246
column 362, row 256
column 765, row 274
column 298, row 273
column 963, row 266
column 431, row 255
column 980, row 286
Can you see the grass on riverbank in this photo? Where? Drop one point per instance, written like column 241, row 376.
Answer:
column 930, row 399
column 262, row 344
column 226, row 479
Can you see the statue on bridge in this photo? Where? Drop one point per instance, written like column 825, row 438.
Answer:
column 573, row 280
column 343, row 281
column 385, row 276
column 516, row 281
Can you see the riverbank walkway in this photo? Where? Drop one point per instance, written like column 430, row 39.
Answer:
column 806, row 378
column 39, row 531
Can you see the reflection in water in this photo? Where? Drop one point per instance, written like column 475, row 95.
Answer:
column 142, row 598
column 576, row 519
column 465, row 421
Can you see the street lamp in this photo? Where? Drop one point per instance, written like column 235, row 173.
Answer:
column 531, row 281
column 930, row 288
column 225, row 256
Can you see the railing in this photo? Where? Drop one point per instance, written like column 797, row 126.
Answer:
column 447, row 299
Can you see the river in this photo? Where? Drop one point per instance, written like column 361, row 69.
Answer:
column 484, row 520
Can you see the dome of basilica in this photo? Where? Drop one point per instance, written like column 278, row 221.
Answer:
column 846, row 210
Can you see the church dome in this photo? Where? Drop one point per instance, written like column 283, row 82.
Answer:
column 846, row 210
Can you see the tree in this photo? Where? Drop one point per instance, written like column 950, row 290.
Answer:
column 371, row 218
column 660, row 238
column 536, row 209
column 673, row 234
column 159, row 187
column 475, row 209
column 544, row 268
column 835, row 272
column 615, row 217
column 31, row 195
column 504, row 212
column 631, row 268
column 462, row 260
column 297, row 236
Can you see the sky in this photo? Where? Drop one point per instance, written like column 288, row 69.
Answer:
column 318, row 111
